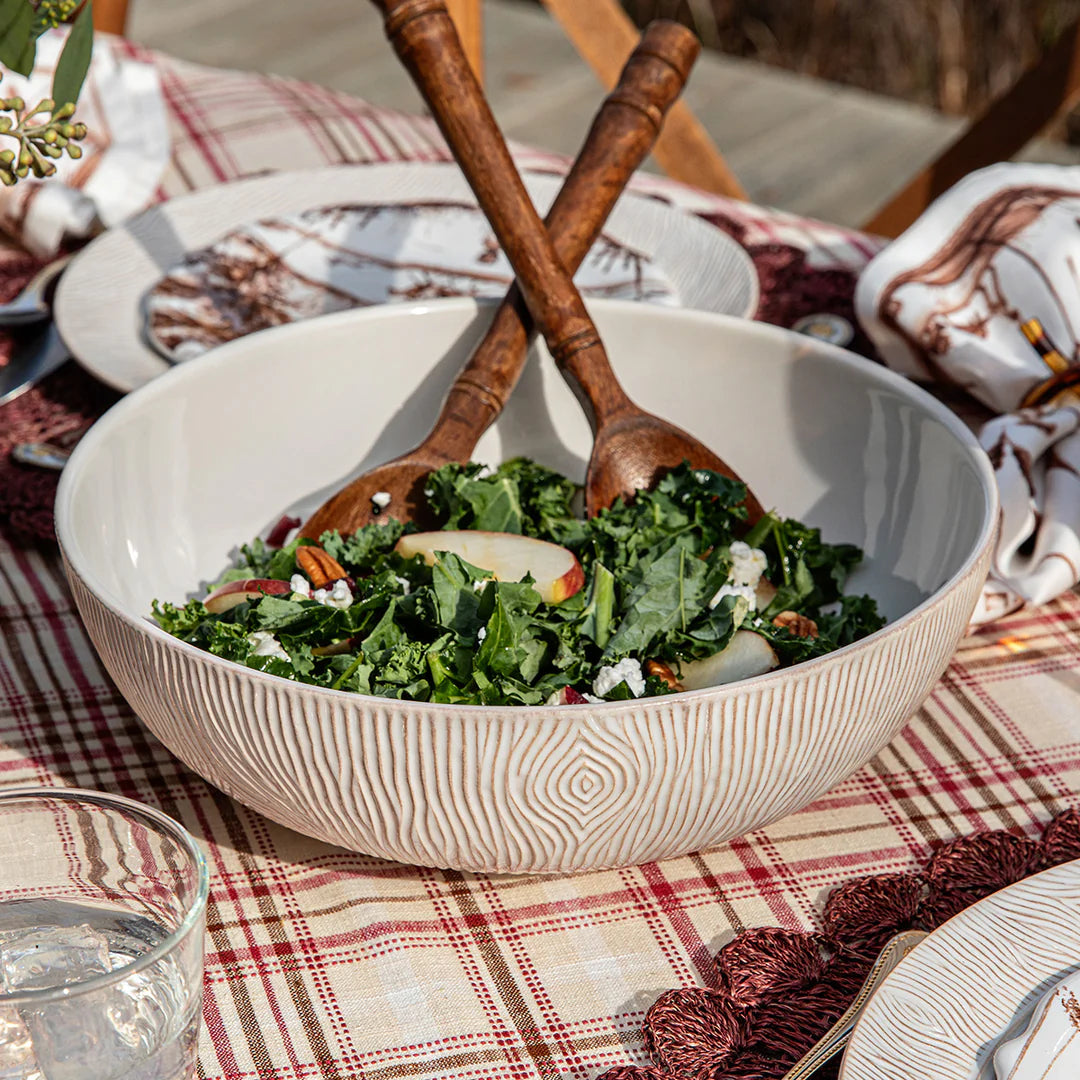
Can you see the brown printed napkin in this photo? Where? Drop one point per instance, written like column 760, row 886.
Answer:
column 983, row 293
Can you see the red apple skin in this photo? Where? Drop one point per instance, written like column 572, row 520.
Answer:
column 236, row 592
column 567, row 696
column 509, row 549
column 571, row 582
column 337, row 648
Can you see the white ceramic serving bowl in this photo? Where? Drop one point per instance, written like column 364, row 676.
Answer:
column 178, row 473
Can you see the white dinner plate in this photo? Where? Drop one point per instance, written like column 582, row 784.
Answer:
column 99, row 306
column 971, row 984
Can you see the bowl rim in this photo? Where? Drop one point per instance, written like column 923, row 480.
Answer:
column 134, row 400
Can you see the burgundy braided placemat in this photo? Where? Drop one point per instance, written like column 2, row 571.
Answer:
column 781, row 990
column 57, row 410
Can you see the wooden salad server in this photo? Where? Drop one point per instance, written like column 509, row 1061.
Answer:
column 620, row 138
column 632, row 448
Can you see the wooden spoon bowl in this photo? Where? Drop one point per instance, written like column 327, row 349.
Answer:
column 633, row 452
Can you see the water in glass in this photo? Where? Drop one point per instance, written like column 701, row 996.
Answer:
column 142, row 1027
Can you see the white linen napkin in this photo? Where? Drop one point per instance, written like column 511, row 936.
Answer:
column 124, row 153
column 983, row 292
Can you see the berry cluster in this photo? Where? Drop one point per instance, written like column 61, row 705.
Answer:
column 44, row 132
column 49, row 14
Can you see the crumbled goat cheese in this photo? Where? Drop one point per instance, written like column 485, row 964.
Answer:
column 628, row 671
column 381, row 499
column 478, row 586
column 404, row 583
column 481, row 633
column 428, row 492
column 299, row 584
column 744, row 591
column 747, row 566
column 701, row 477
column 263, row 643
column 339, row 596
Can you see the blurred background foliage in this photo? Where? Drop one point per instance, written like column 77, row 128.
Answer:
column 952, row 55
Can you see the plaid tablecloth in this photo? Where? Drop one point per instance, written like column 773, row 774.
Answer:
column 323, row 963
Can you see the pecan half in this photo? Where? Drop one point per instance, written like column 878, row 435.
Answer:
column 321, row 569
column 794, row 623
column 662, row 671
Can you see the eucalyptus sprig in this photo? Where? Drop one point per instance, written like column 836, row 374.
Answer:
column 47, row 131
column 40, row 141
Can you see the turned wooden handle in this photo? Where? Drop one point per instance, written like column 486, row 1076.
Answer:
column 619, row 140
column 424, row 37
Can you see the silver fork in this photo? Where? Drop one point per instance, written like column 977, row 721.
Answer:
column 30, row 305
column 835, row 1039
column 35, row 354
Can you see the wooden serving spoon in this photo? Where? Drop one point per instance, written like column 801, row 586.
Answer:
column 632, row 448
column 621, row 136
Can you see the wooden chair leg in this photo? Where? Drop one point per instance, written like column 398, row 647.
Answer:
column 469, row 21
column 110, row 16
column 604, row 35
column 1046, row 89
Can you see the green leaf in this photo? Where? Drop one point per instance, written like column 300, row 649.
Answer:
column 510, row 647
column 298, row 617
column 180, row 621
column 457, row 603
column 362, row 548
column 669, row 597
column 519, row 497
column 404, row 663
column 74, row 61
column 354, row 675
column 596, row 618
column 384, row 637
column 18, row 45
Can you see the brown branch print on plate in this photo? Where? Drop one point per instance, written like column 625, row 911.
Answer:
column 284, row 269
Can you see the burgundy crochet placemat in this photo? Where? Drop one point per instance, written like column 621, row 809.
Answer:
column 57, row 410
column 780, row 990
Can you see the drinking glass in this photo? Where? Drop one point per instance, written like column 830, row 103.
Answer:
column 102, row 913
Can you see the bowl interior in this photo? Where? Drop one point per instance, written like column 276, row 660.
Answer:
column 183, row 470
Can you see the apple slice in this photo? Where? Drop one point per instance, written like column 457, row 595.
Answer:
column 764, row 593
column 236, row 592
column 567, row 696
column 746, row 655
column 508, row 556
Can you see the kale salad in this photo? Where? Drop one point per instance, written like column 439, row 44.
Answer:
column 669, row 591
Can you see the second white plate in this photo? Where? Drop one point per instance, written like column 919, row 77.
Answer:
column 971, row 984
column 99, row 303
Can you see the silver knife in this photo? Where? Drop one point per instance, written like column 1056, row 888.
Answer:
column 36, row 354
